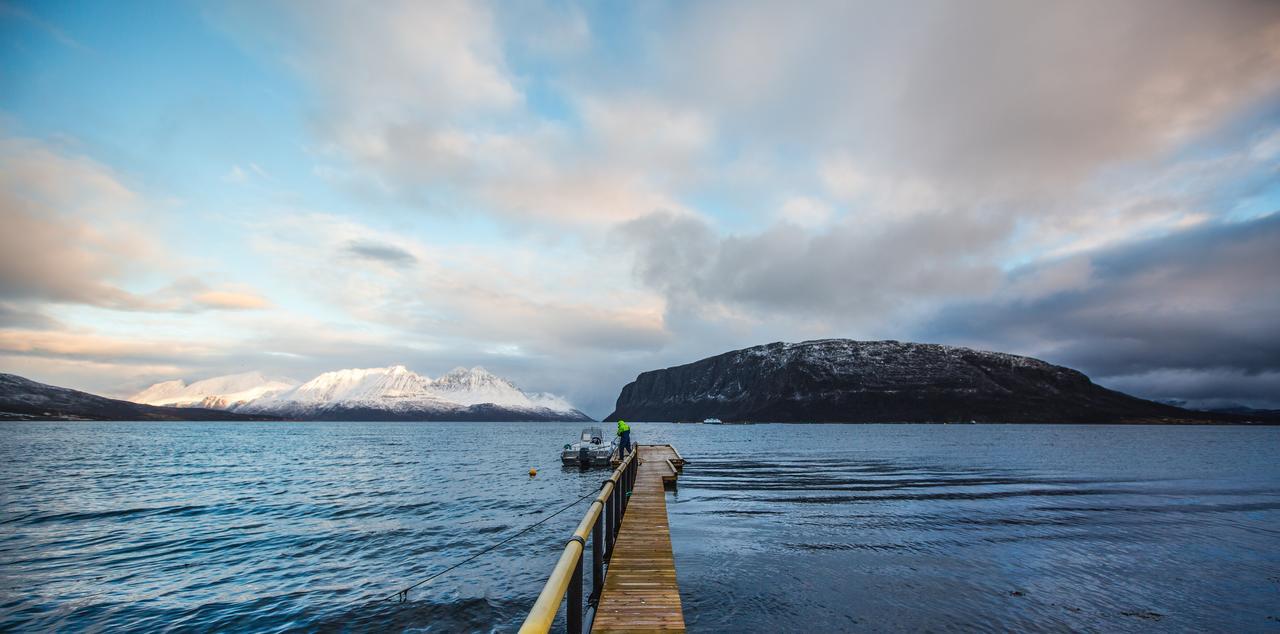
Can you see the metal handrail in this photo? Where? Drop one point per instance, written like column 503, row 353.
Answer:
column 601, row 522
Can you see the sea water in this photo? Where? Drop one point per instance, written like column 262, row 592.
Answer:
column 312, row 526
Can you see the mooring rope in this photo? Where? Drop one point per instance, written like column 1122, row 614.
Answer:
column 403, row 595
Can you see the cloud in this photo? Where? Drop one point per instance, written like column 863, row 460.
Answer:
column 417, row 104
column 544, row 299
column 806, row 212
column 387, row 253
column 850, row 275
column 89, row 346
column 661, row 182
column 12, row 316
column 646, row 132
column 240, row 175
column 1204, row 301
column 1204, row 388
column 961, row 95
column 8, row 10
column 71, row 230
column 896, row 109
column 842, row 178
column 76, row 234
column 230, row 300
column 405, row 59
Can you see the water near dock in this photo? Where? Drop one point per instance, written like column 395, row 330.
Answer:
column 299, row 526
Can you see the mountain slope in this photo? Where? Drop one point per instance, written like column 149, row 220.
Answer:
column 391, row 393
column 24, row 399
column 839, row 380
column 224, row 392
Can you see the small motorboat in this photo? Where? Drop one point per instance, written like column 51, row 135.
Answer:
column 712, row 421
column 591, row 450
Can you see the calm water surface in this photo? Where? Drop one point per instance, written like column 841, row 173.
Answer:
column 304, row 526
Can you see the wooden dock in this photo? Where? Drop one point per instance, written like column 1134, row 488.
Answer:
column 640, row 591
column 627, row 527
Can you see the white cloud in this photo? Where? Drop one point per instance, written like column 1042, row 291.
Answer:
column 231, row 300
column 806, row 212
column 842, row 178
column 93, row 346
column 401, row 60
column 1267, row 147
column 540, row 297
column 72, row 229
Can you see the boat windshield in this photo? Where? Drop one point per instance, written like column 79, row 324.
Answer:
column 592, row 434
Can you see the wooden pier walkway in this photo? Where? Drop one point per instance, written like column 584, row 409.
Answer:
column 627, row 526
column 640, row 591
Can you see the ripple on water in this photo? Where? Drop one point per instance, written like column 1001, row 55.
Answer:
column 308, row 526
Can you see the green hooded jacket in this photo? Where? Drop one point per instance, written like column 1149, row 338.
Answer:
column 623, row 426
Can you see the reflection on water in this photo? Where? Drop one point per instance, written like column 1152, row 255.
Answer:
column 302, row 526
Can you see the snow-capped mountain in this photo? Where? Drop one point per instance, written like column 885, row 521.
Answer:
column 391, row 393
column 223, row 392
column 477, row 386
column 24, row 399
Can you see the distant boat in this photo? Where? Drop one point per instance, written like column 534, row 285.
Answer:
column 712, row 421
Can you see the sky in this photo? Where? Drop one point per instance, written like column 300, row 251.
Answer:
column 569, row 194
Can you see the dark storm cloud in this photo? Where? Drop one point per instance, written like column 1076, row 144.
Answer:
column 1202, row 302
column 1204, row 388
column 381, row 252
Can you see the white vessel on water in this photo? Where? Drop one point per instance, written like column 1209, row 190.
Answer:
column 591, row 449
column 712, row 421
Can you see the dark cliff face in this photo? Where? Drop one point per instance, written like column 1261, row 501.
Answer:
column 840, row 380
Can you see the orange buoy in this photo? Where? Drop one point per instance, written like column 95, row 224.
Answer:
column 533, row 472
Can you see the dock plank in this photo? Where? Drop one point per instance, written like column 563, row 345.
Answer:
column 640, row 590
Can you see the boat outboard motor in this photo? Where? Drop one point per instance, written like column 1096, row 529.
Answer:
column 584, row 456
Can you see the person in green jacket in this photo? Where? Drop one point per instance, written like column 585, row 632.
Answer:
column 624, row 430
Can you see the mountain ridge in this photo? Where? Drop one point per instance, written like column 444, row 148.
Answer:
column 24, row 399
column 844, row 380
column 387, row 393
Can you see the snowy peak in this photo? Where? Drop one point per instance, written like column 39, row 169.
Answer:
column 160, row 392
column 369, row 384
column 223, row 392
column 393, row 391
column 477, row 386
column 475, row 378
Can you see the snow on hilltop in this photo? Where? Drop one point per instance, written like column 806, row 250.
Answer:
column 365, row 385
column 477, row 386
column 842, row 380
column 223, row 392
column 395, row 392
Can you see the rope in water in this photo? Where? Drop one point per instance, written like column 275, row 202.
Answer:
column 403, row 595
